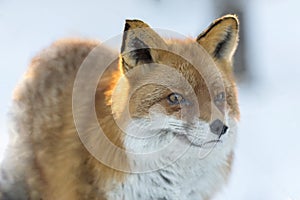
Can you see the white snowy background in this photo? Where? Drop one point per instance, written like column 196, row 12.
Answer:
column 268, row 153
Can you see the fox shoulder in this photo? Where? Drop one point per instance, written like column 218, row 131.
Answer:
column 44, row 145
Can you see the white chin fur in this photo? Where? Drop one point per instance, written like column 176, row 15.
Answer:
column 174, row 168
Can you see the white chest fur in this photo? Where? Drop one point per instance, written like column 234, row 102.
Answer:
column 189, row 177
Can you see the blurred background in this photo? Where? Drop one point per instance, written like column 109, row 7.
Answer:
column 267, row 67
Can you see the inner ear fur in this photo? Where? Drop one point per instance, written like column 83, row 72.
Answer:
column 220, row 39
column 138, row 40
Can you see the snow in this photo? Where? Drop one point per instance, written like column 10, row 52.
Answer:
column 267, row 154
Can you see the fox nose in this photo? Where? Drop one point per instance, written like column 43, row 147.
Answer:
column 218, row 127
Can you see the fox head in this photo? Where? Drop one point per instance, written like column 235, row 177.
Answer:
column 171, row 88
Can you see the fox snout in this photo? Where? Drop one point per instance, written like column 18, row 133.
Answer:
column 218, row 127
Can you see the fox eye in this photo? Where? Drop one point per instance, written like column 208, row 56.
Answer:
column 175, row 99
column 220, row 98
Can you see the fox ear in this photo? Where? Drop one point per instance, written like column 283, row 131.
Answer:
column 220, row 39
column 138, row 40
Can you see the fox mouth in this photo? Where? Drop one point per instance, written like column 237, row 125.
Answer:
column 206, row 144
column 209, row 143
column 203, row 144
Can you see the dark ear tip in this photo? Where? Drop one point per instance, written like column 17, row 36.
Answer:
column 231, row 18
column 134, row 23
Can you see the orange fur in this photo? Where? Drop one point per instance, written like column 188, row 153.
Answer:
column 55, row 164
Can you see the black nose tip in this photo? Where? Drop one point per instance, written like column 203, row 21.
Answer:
column 217, row 127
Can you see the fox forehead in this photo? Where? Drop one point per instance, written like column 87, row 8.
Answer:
column 190, row 83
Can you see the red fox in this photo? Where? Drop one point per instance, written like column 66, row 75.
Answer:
column 167, row 108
